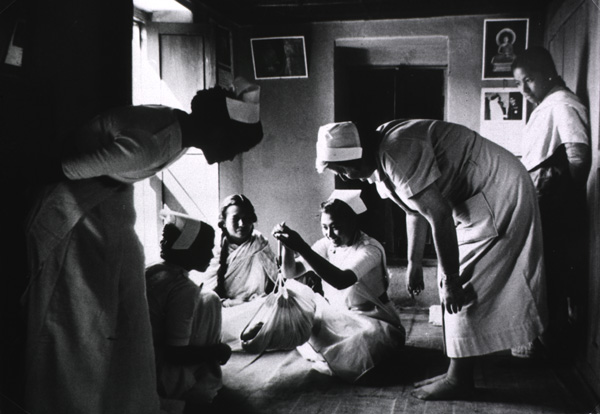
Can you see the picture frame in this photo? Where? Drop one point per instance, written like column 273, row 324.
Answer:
column 503, row 40
column 279, row 57
column 503, row 117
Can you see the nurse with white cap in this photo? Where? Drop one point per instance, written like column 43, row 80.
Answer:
column 358, row 324
column 481, row 206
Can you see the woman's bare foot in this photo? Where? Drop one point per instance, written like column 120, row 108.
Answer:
column 443, row 389
column 428, row 381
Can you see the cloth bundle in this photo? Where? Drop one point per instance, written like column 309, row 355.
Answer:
column 284, row 321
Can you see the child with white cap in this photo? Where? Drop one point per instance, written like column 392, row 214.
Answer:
column 186, row 319
column 358, row 326
column 480, row 204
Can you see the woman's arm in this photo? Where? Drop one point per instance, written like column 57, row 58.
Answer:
column 336, row 277
column 125, row 152
column 579, row 158
column 416, row 230
column 436, row 210
column 291, row 269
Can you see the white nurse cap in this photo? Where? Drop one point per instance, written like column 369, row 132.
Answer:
column 188, row 225
column 337, row 141
column 350, row 197
column 244, row 106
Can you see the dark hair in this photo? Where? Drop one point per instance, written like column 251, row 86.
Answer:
column 203, row 243
column 536, row 59
column 340, row 211
column 243, row 202
column 225, row 135
column 239, row 200
column 209, row 107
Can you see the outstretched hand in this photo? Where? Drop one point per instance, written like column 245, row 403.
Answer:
column 414, row 279
column 288, row 237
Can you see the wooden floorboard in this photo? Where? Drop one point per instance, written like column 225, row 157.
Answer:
column 282, row 383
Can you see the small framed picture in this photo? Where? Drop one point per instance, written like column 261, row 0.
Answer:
column 503, row 40
column 279, row 57
column 503, row 117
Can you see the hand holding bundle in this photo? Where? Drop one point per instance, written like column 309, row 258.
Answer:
column 284, row 321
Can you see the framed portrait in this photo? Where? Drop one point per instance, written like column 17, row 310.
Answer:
column 503, row 40
column 503, row 117
column 279, row 57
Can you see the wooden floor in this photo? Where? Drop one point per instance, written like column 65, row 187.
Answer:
column 280, row 383
column 284, row 383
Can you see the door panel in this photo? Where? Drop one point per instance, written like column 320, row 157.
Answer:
column 376, row 95
column 172, row 62
column 181, row 68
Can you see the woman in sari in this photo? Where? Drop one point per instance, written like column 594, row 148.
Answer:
column 243, row 268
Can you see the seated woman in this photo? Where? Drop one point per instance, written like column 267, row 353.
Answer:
column 186, row 319
column 244, row 266
column 358, row 326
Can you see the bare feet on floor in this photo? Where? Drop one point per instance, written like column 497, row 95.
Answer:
column 428, row 381
column 443, row 389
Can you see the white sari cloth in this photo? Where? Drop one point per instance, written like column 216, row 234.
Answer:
column 89, row 347
column 354, row 328
column 498, row 228
column 559, row 119
column 250, row 267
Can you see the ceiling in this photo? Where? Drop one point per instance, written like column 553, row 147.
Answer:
column 257, row 12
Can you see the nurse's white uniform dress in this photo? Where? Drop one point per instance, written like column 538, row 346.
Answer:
column 497, row 221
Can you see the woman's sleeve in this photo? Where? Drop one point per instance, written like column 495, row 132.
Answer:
column 179, row 314
column 571, row 127
column 411, row 166
column 125, row 151
column 365, row 259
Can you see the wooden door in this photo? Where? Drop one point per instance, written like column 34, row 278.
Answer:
column 173, row 62
column 374, row 96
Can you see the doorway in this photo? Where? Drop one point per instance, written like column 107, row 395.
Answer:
column 171, row 61
column 374, row 95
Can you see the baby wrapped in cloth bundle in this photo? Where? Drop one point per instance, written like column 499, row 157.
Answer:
column 284, row 321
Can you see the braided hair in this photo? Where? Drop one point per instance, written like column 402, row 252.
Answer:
column 244, row 203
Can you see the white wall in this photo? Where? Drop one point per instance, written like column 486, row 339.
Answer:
column 279, row 175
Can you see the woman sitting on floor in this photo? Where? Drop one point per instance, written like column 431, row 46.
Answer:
column 186, row 319
column 358, row 326
column 244, row 267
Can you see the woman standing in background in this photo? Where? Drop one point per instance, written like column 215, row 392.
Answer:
column 558, row 158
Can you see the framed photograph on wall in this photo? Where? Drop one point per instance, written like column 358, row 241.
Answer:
column 503, row 117
column 503, row 40
column 279, row 57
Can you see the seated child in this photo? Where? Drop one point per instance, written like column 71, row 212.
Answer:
column 186, row 319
